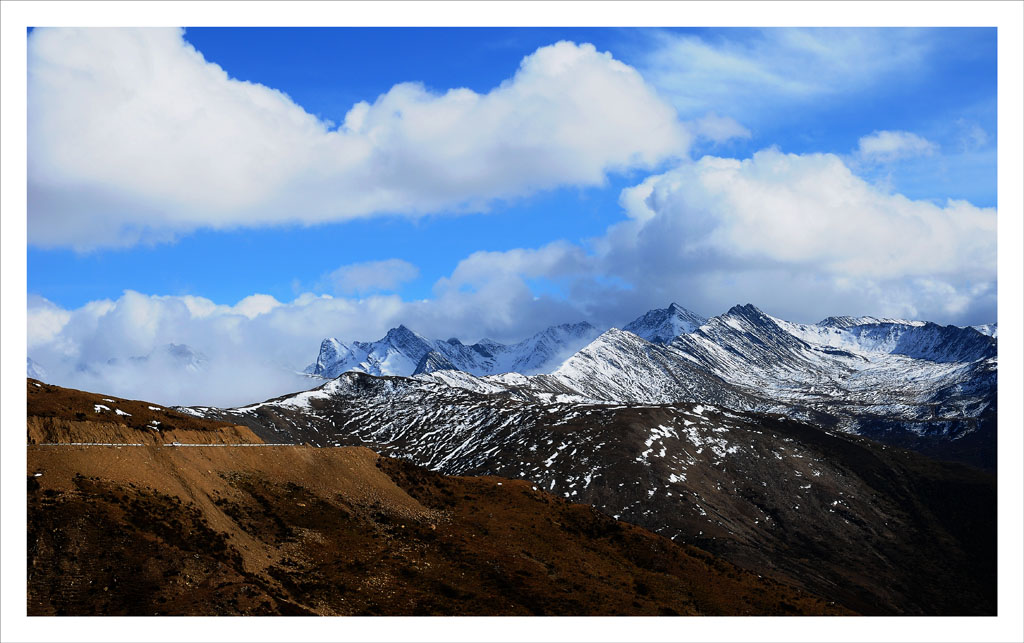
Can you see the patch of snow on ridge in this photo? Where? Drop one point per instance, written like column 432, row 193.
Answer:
column 992, row 330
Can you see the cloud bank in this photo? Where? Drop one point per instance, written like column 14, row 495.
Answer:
column 255, row 349
column 799, row 235
column 134, row 137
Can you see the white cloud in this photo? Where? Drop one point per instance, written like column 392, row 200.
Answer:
column 133, row 136
column 799, row 235
column 557, row 259
column 812, row 210
column 887, row 146
column 753, row 72
column 372, row 276
column 718, row 129
column 45, row 320
column 256, row 305
column 254, row 349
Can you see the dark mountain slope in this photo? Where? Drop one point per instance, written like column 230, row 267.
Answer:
column 860, row 523
column 221, row 530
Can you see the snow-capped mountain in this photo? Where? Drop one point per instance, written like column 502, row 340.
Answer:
column 992, row 330
column 738, row 435
column 911, row 383
column 826, row 510
column 403, row 352
column 921, row 340
column 662, row 325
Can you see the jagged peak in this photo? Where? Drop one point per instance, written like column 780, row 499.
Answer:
column 402, row 332
column 661, row 325
column 680, row 311
column 746, row 310
column 401, row 329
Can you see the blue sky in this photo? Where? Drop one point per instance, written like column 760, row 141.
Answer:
column 251, row 191
column 326, row 71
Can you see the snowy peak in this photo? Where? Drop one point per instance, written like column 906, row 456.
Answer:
column 992, row 330
column 404, row 352
column 751, row 314
column 743, row 324
column 399, row 352
column 545, row 350
column 917, row 339
column 403, row 336
column 662, row 325
column 847, row 322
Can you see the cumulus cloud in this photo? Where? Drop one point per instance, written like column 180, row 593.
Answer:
column 887, row 146
column 800, row 235
column 372, row 276
column 134, row 137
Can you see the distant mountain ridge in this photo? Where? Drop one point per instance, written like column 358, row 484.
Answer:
column 404, row 352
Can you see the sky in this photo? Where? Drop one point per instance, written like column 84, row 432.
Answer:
column 248, row 192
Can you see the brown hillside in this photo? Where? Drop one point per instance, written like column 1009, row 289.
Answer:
column 59, row 415
column 335, row 531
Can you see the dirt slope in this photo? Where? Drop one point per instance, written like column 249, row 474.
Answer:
column 60, row 415
column 334, row 531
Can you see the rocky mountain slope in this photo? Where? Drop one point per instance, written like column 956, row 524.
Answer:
column 908, row 383
column 876, row 529
column 214, row 529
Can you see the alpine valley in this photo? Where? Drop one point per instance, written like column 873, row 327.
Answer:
column 848, row 463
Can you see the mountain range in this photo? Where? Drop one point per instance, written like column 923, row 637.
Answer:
column 910, row 383
column 403, row 352
column 780, row 448
column 877, row 529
